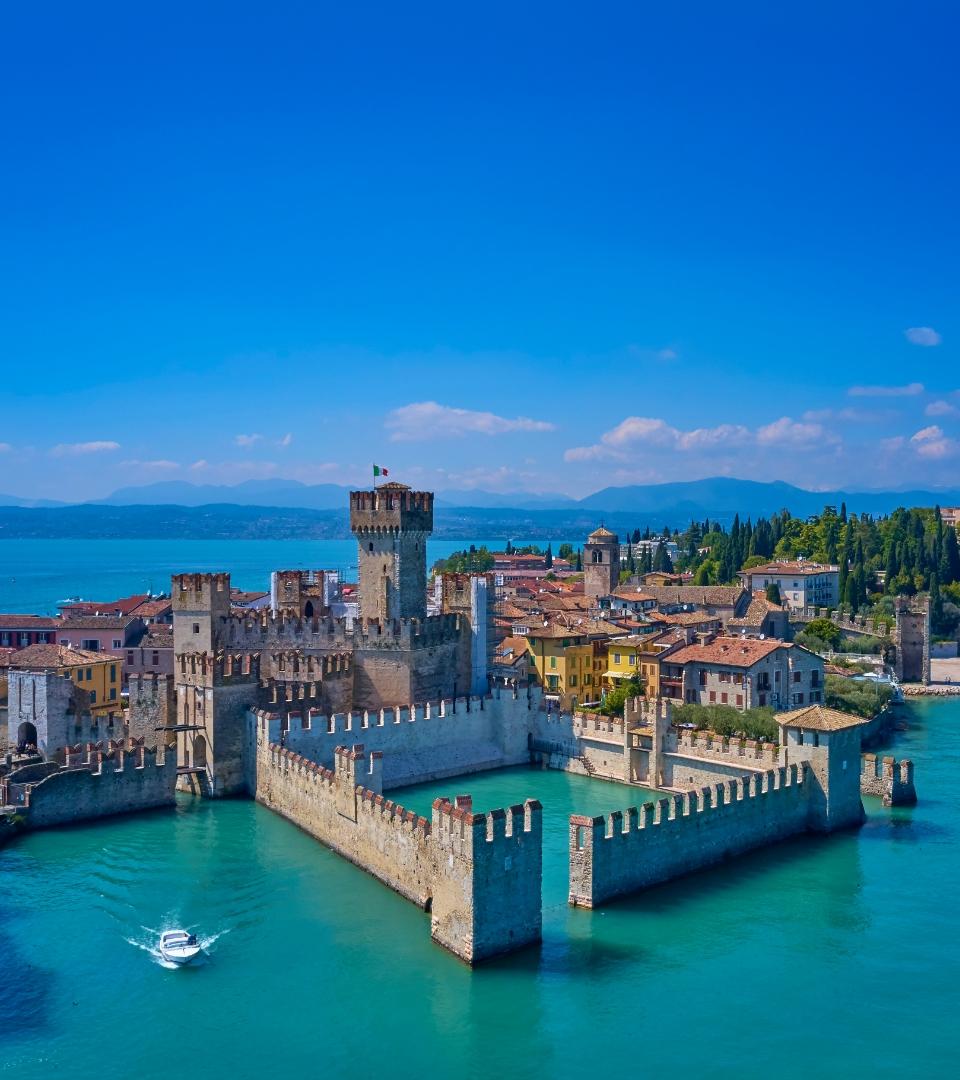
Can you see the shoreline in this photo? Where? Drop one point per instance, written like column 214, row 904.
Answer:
column 933, row 690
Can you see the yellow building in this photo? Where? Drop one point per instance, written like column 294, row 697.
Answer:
column 98, row 675
column 564, row 663
column 639, row 654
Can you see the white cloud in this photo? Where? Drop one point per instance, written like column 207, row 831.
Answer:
column 927, row 433
column 911, row 390
column 73, row 449
column 247, row 440
column 286, row 440
column 5, row 448
column 787, row 432
column 160, row 463
column 930, row 442
column 941, row 408
column 429, row 420
column 201, row 464
column 654, row 432
column 851, row 415
column 922, row 335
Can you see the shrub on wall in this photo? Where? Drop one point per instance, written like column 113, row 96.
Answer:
column 726, row 720
column 860, row 698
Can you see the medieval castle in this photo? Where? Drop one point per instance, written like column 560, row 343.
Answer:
column 316, row 716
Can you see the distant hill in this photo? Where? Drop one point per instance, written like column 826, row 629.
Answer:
column 13, row 500
column 248, row 493
column 284, row 509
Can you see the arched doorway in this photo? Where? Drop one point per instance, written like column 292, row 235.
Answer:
column 199, row 752
column 308, row 610
column 26, row 736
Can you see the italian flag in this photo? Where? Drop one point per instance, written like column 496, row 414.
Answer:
column 379, row 470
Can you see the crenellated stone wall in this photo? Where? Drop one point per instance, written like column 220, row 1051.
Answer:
column 419, row 742
column 479, row 875
column 632, row 849
column 94, row 783
column 888, row 779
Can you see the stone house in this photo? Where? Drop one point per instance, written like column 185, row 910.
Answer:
column 745, row 673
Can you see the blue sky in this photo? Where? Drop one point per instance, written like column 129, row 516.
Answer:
column 513, row 247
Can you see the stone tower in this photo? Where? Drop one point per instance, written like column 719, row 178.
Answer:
column 829, row 742
column 214, row 688
column 912, row 639
column 391, row 524
column 601, row 563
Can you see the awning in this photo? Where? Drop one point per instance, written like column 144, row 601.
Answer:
column 616, row 675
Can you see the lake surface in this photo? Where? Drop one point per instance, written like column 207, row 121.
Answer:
column 36, row 574
column 830, row 957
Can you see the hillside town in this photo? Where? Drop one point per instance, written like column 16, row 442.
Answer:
column 595, row 624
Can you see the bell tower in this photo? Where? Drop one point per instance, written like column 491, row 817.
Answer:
column 391, row 524
column 601, row 563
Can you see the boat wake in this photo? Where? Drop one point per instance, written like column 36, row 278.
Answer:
column 149, row 942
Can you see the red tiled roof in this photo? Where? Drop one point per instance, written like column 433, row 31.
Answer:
column 123, row 606
column 28, row 622
column 56, row 656
column 801, row 569
column 729, row 651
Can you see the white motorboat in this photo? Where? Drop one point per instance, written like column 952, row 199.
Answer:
column 178, row 946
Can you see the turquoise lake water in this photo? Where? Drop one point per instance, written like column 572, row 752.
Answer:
column 829, row 957
column 36, row 574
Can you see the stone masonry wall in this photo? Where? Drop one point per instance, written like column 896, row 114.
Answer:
column 422, row 742
column 888, row 779
column 100, row 784
column 630, row 850
column 479, row 875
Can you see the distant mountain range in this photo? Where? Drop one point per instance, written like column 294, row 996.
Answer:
column 279, row 509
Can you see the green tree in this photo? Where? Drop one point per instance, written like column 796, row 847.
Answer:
column 773, row 593
column 825, row 630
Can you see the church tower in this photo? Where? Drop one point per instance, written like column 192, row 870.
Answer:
column 391, row 524
column 601, row 563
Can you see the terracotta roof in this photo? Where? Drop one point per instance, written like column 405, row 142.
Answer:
column 602, row 534
column 729, row 651
column 28, row 622
column 688, row 618
column 57, row 656
column 760, row 607
column 150, row 608
column 819, row 718
column 706, row 595
column 98, row 622
column 625, row 593
column 123, row 606
column 801, row 569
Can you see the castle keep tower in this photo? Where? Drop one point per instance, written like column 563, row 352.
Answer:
column 601, row 563
column 391, row 524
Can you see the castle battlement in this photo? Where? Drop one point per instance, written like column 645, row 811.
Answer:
column 339, row 724
column 148, row 684
column 731, row 750
column 191, row 592
column 406, row 633
column 391, row 508
column 118, row 756
column 631, row 849
column 889, row 779
column 261, row 630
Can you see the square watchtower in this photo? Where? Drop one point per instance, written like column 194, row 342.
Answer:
column 391, row 524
